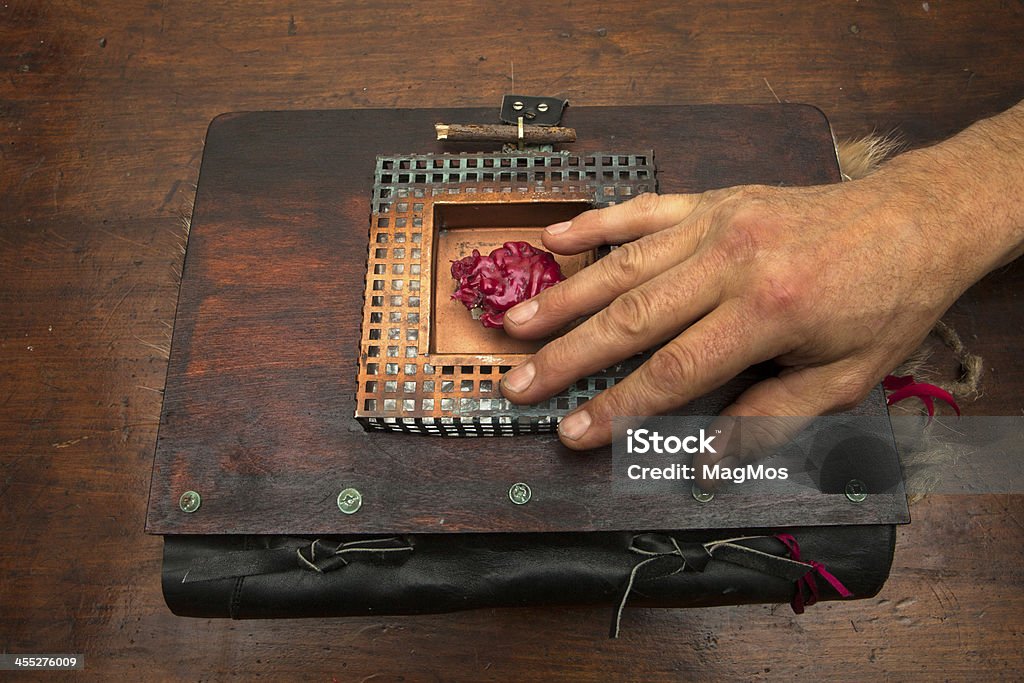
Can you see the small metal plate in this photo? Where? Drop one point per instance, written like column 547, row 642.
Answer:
column 537, row 111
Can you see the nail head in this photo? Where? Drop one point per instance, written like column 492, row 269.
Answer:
column 350, row 500
column 700, row 495
column 520, row 493
column 856, row 491
column 190, row 501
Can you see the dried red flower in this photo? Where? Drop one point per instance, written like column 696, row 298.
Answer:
column 507, row 276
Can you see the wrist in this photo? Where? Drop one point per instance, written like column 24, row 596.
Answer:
column 979, row 180
column 965, row 197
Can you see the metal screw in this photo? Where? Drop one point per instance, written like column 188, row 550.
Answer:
column 700, row 495
column 189, row 501
column 543, row 106
column 856, row 491
column 349, row 501
column 517, row 105
column 520, row 493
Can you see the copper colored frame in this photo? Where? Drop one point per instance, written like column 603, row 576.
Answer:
column 426, row 365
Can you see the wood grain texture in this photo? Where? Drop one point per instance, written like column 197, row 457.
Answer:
column 103, row 109
column 260, row 395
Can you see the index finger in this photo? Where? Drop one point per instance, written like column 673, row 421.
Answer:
column 642, row 215
column 597, row 285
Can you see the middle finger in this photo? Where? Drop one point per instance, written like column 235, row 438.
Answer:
column 636, row 320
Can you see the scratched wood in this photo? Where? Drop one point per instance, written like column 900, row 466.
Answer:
column 103, row 109
column 260, row 392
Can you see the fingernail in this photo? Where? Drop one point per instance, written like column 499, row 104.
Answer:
column 558, row 228
column 519, row 379
column 522, row 313
column 575, row 426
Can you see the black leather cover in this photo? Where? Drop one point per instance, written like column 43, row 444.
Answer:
column 265, row 577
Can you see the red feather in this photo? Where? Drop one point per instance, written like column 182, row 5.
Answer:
column 904, row 387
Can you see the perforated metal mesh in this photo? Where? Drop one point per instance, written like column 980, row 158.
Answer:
column 404, row 386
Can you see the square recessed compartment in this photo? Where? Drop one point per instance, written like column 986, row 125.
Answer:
column 461, row 227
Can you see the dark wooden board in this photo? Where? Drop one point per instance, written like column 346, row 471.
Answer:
column 259, row 400
column 99, row 153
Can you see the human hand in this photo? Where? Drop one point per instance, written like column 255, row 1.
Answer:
column 837, row 284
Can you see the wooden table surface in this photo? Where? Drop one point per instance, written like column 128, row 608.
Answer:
column 103, row 109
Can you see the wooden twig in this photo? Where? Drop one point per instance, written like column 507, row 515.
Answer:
column 499, row 132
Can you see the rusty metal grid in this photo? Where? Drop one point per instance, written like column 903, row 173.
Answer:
column 402, row 385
